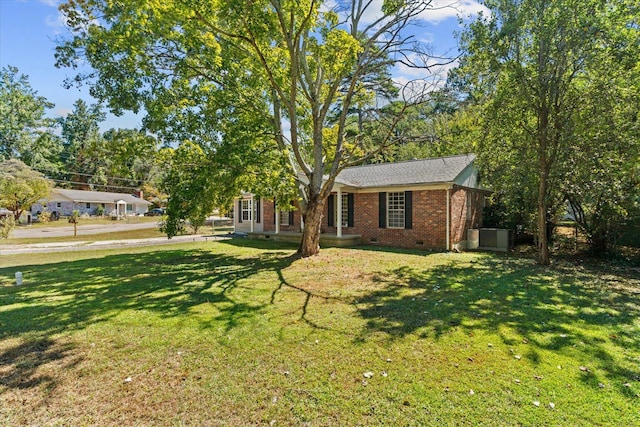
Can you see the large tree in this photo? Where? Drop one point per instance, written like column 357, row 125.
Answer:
column 80, row 132
column 298, row 69
column 528, row 64
column 25, row 131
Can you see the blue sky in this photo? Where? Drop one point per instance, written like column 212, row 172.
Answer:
column 29, row 30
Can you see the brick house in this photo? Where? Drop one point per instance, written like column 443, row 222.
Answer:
column 429, row 203
column 63, row 202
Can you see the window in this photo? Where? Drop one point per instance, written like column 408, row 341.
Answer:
column 88, row 205
column 246, row 210
column 395, row 209
column 58, row 204
column 345, row 210
column 284, row 218
column 129, row 208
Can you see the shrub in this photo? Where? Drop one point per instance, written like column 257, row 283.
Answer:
column 7, row 224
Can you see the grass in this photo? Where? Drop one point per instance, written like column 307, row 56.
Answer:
column 242, row 333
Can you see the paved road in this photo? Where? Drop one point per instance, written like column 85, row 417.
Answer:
column 67, row 230
column 105, row 244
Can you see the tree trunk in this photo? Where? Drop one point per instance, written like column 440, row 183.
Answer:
column 310, row 243
column 543, row 242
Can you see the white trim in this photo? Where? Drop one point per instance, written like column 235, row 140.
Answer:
column 277, row 221
column 448, row 221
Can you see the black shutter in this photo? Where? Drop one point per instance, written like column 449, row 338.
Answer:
column 408, row 209
column 274, row 211
column 240, row 210
column 290, row 217
column 350, row 210
column 382, row 210
column 330, row 210
column 258, row 210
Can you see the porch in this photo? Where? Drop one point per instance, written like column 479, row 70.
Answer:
column 326, row 239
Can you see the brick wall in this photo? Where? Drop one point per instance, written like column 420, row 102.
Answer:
column 466, row 212
column 429, row 219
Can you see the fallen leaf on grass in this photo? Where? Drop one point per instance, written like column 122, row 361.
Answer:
column 552, row 405
column 128, row 380
column 584, row 369
column 536, row 403
column 368, row 374
column 471, row 392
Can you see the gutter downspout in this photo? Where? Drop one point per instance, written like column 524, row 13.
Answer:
column 448, row 221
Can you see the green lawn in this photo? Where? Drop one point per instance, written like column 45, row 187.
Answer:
column 241, row 333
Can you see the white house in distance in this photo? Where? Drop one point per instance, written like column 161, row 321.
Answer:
column 64, row 202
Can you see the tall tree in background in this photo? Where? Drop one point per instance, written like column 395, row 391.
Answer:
column 528, row 63
column 80, row 132
column 25, row 132
column 201, row 69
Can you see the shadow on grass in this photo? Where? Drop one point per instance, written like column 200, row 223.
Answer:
column 67, row 296
column 19, row 364
column 563, row 308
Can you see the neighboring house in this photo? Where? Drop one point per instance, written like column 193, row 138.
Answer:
column 428, row 203
column 64, row 202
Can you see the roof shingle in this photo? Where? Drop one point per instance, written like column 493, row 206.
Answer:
column 413, row 172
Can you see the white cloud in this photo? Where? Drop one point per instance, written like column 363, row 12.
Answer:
column 55, row 22
column 62, row 112
column 436, row 11
column 439, row 10
column 52, row 3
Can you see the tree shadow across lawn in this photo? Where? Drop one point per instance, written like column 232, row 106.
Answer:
column 59, row 298
column 551, row 308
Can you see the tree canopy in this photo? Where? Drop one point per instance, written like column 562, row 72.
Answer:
column 293, row 73
column 535, row 68
column 25, row 132
column 20, row 186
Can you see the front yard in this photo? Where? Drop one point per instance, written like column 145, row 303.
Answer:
column 241, row 333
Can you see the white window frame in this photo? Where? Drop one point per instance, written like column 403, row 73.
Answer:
column 345, row 209
column 247, row 210
column 396, row 205
column 284, row 218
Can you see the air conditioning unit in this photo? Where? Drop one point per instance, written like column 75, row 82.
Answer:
column 492, row 239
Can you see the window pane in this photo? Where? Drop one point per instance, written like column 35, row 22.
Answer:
column 246, row 210
column 284, row 218
column 395, row 209
column 345, row 210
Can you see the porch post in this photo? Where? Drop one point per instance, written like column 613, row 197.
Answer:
column 277, row 221
column 339, row 215
column 251, row 208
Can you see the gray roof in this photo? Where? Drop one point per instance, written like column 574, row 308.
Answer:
column 413, row 172
column 85, row 196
